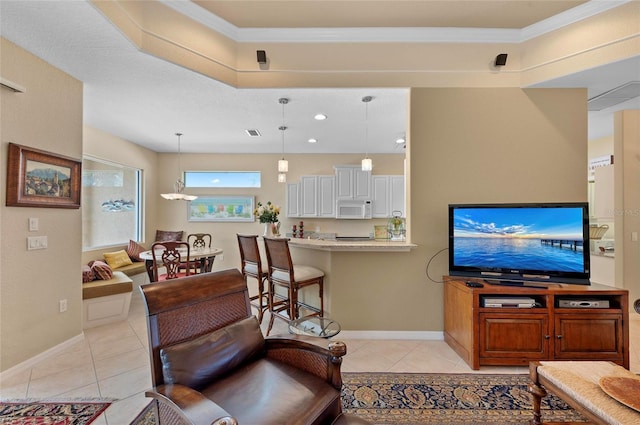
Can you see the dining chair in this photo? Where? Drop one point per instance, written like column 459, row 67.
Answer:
column 171, row 255
column 198, row 241
column 292, row 278
column 251, row 266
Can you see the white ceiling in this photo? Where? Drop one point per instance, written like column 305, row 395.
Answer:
column 146, row 100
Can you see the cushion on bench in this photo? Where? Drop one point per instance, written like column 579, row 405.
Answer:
column 132, row 269
column 120, row 283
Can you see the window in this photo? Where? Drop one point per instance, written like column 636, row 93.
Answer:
column 111, row 204
column 222, row 179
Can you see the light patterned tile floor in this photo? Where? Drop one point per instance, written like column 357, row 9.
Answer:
column 112, row 361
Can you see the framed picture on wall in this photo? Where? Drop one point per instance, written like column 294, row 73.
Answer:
column 221, row 208
column 36, row 178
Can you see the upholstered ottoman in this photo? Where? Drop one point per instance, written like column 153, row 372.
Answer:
column 578, row 384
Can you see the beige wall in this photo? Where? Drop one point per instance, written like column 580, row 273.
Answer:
column 627, row 200
column 32, row 282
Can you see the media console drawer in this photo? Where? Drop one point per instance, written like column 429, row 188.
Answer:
column 509, row 326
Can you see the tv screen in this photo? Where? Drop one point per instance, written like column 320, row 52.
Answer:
column 520, row 242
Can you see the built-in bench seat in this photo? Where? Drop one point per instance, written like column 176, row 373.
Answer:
column 106, row 301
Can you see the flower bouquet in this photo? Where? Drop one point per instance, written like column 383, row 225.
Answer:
column 268, row 214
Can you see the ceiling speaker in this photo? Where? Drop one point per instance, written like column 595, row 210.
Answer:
column 262, row 56
column 501, row 59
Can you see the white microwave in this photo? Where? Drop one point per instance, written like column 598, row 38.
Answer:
column 353, row 209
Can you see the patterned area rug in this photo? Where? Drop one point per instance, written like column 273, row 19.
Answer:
column 438, row 399
column 71, row 412
column 446, row 399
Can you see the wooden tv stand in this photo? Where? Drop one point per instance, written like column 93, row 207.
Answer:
column 511, row 336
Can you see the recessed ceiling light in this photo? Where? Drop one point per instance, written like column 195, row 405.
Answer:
column 400, row 140
column 320, row 117
column 313, row 140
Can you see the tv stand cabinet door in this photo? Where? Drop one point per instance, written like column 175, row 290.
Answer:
column 513, row 338
column 589, row 336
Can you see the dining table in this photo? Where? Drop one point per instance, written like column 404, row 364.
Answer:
column 203, row 256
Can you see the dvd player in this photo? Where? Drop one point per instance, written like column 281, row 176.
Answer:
column 512, row 302
column 583, row 303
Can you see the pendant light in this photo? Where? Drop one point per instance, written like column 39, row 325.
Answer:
column 178, row 186
column 283, row 164
column 367, row 164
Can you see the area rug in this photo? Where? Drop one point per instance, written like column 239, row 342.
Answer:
column 446, row 399
column 52, row 412
column 438, row 399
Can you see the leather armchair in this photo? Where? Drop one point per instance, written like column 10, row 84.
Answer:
column 211, row 364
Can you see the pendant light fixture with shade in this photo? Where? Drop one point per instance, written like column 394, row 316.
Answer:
column 367, row 164
column 178, row 186
column 283, row 164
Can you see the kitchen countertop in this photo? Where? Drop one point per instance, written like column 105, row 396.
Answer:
column 375, row 245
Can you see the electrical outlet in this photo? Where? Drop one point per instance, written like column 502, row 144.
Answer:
column 63, row 305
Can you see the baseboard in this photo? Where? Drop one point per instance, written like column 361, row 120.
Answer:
column 28, row 364
column 418, row 335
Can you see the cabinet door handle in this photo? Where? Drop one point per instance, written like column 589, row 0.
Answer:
column 547, row 336
column 559, row 336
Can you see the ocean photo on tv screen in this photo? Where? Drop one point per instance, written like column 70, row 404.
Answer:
column 519, row 239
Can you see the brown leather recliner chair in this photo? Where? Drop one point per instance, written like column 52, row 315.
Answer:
column 211, row 365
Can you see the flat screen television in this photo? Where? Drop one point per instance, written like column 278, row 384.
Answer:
column 519, row 243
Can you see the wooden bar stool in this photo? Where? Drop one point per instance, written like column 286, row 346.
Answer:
column 251, row 266
column 292, row 277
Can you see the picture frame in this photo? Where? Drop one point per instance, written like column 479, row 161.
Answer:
column 221, row 208
column 37, row 178
column 381, row 232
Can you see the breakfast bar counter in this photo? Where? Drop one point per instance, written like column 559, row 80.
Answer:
column 361, row 276
column 352, row 245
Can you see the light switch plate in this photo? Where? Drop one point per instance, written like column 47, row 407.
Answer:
column 36, row 242
column 34, row 224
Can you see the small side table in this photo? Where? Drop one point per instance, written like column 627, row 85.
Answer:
column 314, row 326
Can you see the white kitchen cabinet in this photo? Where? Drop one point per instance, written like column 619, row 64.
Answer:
column 293, row 200
column 397, row 195
column 352, row 183
column 327, row 196
column 388, row 195
column 317, row 196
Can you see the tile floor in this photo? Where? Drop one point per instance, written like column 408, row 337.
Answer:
column 112, row 361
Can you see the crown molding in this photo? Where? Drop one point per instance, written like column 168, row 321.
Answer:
column 388, row 34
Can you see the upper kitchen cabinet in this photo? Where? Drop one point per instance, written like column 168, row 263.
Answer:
column 313, row 196
column 317, row 196
column 293, row 200
column 388, row 195
column 353, row 183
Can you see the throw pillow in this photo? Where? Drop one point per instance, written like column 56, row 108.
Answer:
column 101, row 270
column 197, row 362
column 167, row 235
column 87, row 274
column 134, row 250
column 117, row 259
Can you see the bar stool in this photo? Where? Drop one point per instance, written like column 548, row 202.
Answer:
column 251, row 266
column 293, row 277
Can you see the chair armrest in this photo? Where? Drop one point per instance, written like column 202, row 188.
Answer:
column 191, row 406
column 314, row 355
